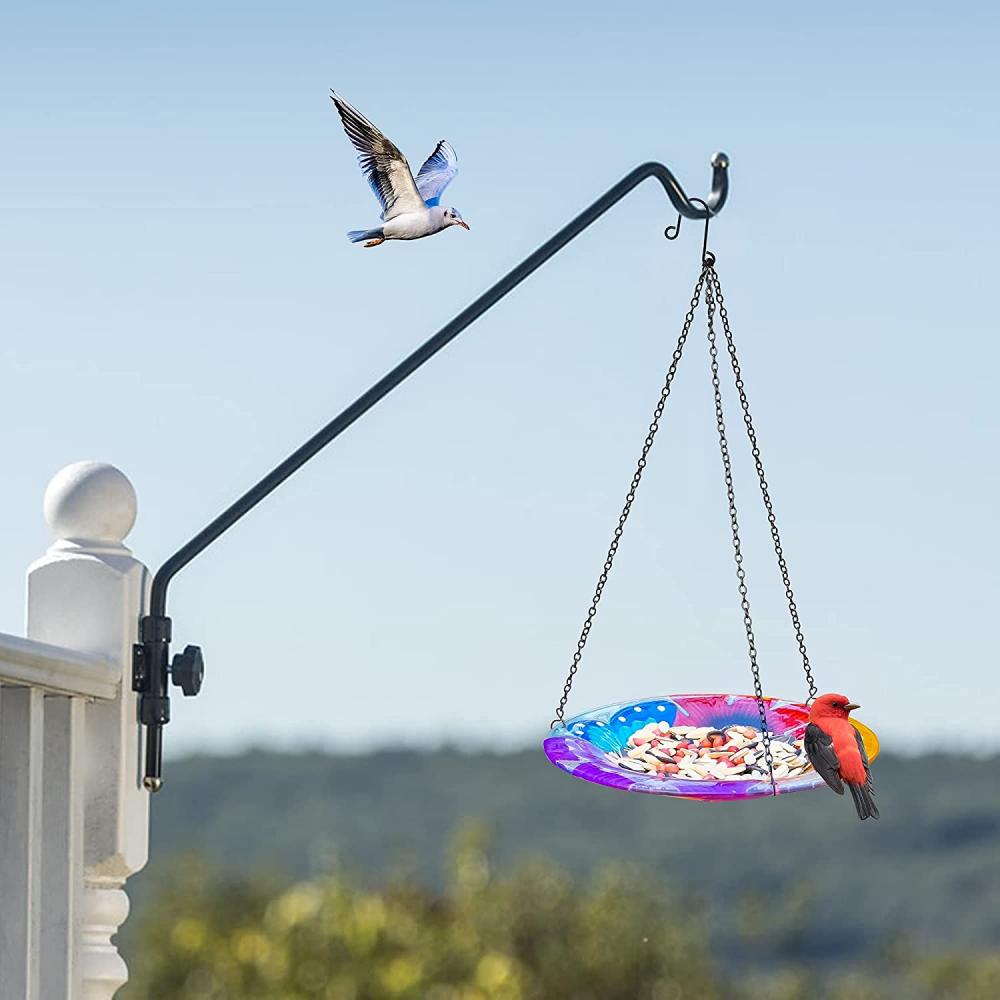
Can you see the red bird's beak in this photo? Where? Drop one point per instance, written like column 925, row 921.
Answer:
column 463, row 223
column 850, row 707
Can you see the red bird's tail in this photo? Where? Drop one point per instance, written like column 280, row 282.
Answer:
column 864, row 800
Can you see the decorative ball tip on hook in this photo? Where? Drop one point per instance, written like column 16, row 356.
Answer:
column 152, row 784
column 721, row 160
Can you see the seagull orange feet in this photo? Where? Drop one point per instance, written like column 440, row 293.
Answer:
column 375, row 243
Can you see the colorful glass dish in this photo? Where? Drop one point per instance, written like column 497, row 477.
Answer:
column 579, row 746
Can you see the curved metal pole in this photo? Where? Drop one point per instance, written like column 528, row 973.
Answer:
column 151, row 660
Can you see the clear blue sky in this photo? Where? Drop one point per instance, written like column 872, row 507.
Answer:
column 177, row 297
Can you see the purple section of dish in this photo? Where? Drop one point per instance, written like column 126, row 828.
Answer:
column 602, row 776
column 557, row 749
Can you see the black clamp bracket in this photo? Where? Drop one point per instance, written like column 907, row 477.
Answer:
column 151, row 665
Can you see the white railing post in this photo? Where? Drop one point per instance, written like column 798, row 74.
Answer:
column 87, row 594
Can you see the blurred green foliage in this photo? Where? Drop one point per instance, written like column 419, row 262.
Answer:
column 534, row 934
column 793, row 880
column 530, row 935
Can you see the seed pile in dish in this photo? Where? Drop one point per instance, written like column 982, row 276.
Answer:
column 735, row 753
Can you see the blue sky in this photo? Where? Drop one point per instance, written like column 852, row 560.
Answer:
column 177, row 297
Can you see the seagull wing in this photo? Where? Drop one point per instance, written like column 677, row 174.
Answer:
column 437, row 173
column 383, row 164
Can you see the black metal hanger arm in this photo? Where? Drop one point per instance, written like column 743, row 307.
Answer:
column 151, row 664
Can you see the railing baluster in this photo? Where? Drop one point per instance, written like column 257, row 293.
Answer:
column 62, row 843
column 21, row 761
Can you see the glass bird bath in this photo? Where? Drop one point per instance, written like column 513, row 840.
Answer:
column 581, row 746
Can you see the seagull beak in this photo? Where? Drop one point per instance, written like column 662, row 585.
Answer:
column 850, row 707
column 463, row 223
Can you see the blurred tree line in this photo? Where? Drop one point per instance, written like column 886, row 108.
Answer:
column 534, row 934
column 834, row 891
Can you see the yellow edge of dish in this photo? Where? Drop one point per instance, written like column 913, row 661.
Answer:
column 869, row 739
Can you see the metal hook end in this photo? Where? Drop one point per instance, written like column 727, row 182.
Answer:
column 672, row 232
column 707, row 257
column 721, row 160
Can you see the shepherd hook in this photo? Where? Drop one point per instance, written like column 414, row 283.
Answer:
column 151, row 664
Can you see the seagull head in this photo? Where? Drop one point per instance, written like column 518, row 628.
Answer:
column 453, row 217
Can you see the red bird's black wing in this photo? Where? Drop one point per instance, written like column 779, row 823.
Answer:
column 864, row 795
column 822, row 756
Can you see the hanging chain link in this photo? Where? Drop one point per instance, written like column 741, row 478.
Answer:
column 741, row 575
column 709, row 285
column 629, row 498
column 716, row 289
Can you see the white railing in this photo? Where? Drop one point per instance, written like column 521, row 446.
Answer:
column 74, row 818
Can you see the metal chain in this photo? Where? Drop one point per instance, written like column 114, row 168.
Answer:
column 734, row 522
column 793, row 610
column 629, row 499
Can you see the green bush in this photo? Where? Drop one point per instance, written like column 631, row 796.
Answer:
column 531, row 935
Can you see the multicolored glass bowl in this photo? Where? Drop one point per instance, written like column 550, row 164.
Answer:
column 580, row 744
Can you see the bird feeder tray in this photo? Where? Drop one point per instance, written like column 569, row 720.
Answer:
column 581, row 744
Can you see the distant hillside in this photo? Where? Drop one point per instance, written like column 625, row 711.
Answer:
column 798, row 876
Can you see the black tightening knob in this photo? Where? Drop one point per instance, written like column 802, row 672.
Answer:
column 188, row 669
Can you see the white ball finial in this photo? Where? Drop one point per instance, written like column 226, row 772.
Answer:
column 90, row 502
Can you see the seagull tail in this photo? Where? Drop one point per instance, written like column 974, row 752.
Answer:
column 359, row 235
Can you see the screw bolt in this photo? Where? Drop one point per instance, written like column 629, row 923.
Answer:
column 187, row 670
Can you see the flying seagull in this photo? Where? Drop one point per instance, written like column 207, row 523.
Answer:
column 410, row 208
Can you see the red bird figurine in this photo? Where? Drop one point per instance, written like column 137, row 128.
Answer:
column 837, row 752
